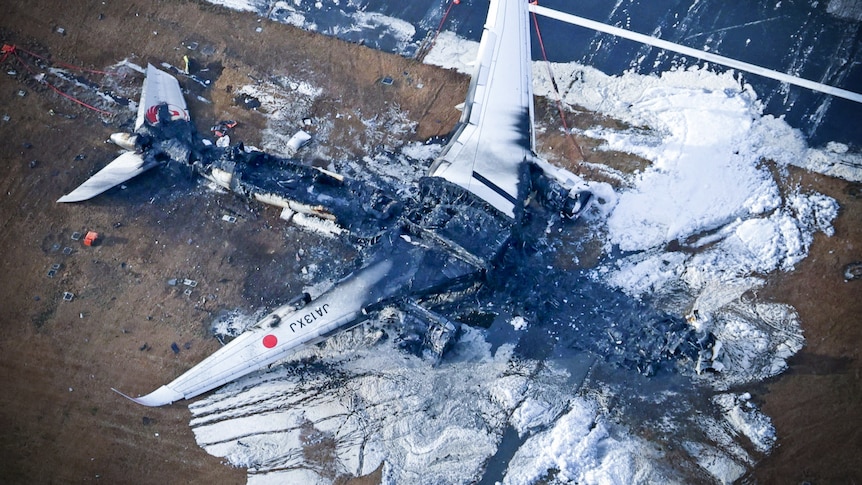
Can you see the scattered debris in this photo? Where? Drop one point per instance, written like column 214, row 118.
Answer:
column 145, row 347
column 223, row 142
column 693, row 317
column 61, row 31
column 22, row 93
column 189, row 282
column 91, row 239
column 222, row 128
column 175, row 348
column 76, row 236
column 54, row 269
column 67, row 296
column 297, row 141
column 853, row 271
column 228, row 218
column 387, row 81
column 172, row 282
column 67, row 250
column 247, row 102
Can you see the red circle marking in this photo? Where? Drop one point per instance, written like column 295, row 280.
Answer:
column 270, row 341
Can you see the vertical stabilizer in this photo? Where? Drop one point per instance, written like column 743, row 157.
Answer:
column 160, row 88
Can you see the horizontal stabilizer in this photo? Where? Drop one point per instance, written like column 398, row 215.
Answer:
column 118, row 171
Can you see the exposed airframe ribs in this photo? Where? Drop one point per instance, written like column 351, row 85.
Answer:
column 453, row 245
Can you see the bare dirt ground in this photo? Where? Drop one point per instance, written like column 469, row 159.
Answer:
column 60, row 422
column 816, row 406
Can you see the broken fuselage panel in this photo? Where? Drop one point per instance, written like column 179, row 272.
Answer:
column 360, row 208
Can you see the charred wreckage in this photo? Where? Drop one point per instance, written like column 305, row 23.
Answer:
column 440, row 248
column 472, row 243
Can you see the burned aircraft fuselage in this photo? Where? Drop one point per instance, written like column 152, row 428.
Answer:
column 442, row 240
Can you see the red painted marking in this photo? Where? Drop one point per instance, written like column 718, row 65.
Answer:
column 176, row 113
column 153, row 114
column 270, row 341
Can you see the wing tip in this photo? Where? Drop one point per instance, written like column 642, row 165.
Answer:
column 160, row 397
column 69, row 198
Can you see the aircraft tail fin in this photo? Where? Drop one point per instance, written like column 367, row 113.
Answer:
column 160, row 88
column 161, row 99
column 122, row 168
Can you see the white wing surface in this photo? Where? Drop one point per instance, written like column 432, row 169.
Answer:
column 485, row 156
column 495, row 135
column 118, row 171
column 274, row 337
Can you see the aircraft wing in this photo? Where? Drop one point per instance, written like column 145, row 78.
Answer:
column 118, row 171
column 495, row 135
column 440, row 247
column 271, row 338
column 403, row 267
